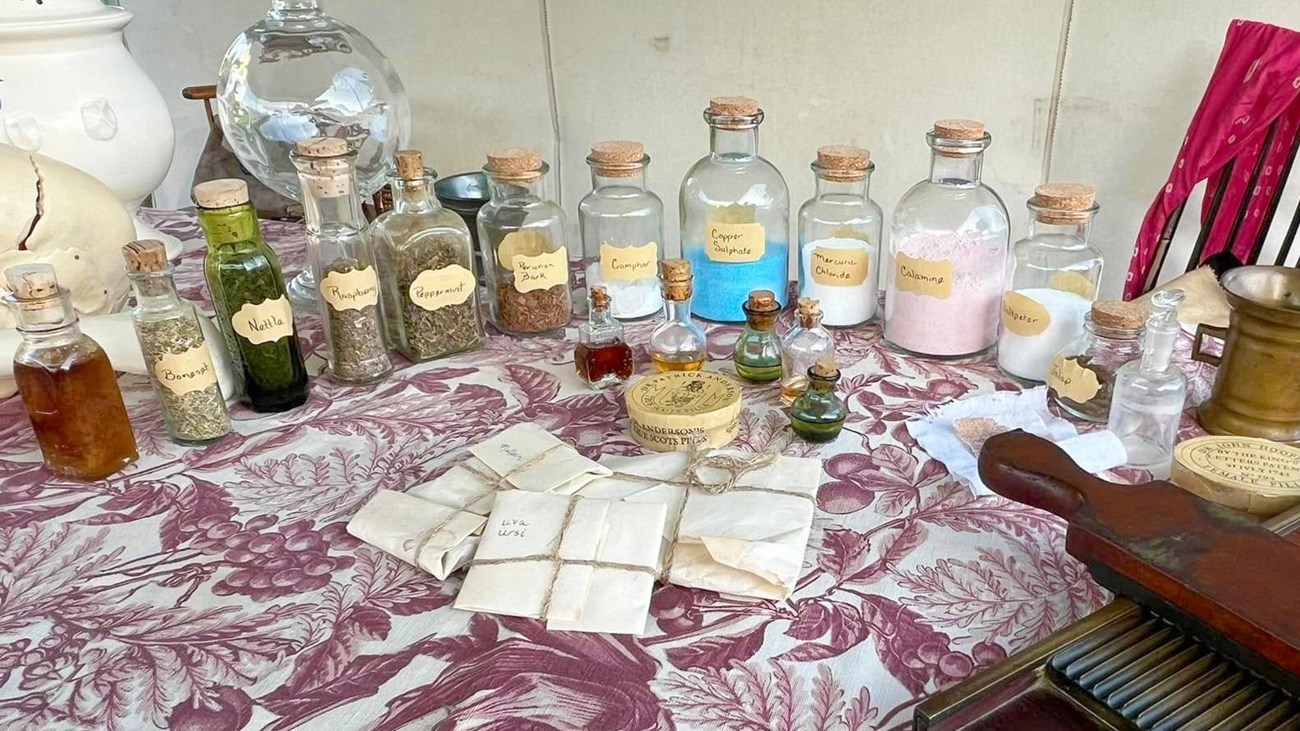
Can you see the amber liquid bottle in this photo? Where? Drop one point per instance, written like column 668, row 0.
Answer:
column 66, row 382
column 602, row 358
column 677, row 343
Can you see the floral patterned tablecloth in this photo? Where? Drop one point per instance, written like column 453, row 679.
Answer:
column 216, row 588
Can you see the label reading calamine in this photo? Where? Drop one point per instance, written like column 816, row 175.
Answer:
column 923, row 276
column 183, row 373
column 265, row 322
column 542, row 271
column 628, row 263
column 735, row 243
column 839, row 267
column 1072, row 381
column 356, row 289
column 434, row 289
column 1024, row 316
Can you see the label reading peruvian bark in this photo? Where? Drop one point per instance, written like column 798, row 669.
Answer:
column 356, row 289
column 265, row 322
column 923, row 276
column 523, row 242
column 434, row 289
column 183, row 373
column 1072, row 381
column 839, row 267
column 542, row 271
column 628, row 263
column 1073, row 282
column 1023, row 315
column 735, row 243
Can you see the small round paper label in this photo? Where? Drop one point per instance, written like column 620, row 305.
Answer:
column 264, row 322
column 438, row 288
column 1024, row 315
column 1073, row 282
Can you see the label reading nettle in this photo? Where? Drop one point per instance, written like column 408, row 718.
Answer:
column 1072, row 381
column 923, row 276
column 624, row 263
column 264, row 322
column 434, row 289
column 542, row 271
column 1024, row 316
column 187, row 372
column 356, row 289
column 839, row 267
column 735, row 243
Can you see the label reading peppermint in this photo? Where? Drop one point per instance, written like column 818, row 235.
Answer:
column 434, row 289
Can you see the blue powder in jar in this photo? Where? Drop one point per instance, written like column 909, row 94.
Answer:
column 721, row 288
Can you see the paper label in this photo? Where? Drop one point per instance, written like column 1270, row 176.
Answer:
column 1073, row 282
column 1023, row 315
column 265, row 322
column 356, row 289
column 438, row 288
column 735, row 243
column 542, row 271
column 675, row 411
column 183, row 373
column 628, row 263
column 839, row 267
column 1072, row 381
column 1254, row 462
column 923, row 276
column 516, row 243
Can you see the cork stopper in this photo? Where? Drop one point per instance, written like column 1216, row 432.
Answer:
column 843, row 158
column 959, row 129
column 824, row 368
column 318, row 147
column 617, row 158
column 1065, row 196
column 410, row 165
column 514, row 162
column 146, row 256
column 1119, row 315
column 762, row 301
column 733, row 106
column 599, row 295
column 32, row 281
column 677, row 279
column 809, row 311
column 222, row 193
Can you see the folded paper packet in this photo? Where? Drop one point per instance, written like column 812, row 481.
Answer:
column 435, row 526
column 581, row 564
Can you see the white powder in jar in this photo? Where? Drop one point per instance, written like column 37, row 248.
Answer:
column 629, row 300
column 840, row 273
column 1035, row 328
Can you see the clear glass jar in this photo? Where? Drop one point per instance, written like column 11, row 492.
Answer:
column 622, row 225
column 1052, row 278
column 735, row 214
column 602, row 358
column 1150, row 392
column 677, row 343
column 1082, row 378
column 522, row 237
column 818, row 414
column 805, row 344
column 425, row 257
column 757, row 355
column 947, row 252
column 840, row 230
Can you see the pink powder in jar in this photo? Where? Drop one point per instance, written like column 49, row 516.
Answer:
column 966, row 321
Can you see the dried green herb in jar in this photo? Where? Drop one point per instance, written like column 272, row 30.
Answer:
column 351, row 294
column 451, row 328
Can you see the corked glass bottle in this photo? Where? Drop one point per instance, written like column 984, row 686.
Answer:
column 248, row 293
column 622, row 226
column 805, row 344
column 175, row 350
column 602, row 357
column 1082, row 377
column 66, row 381
column 677, row 343
column 818, row 414
column 839, row 237
column 757, row 355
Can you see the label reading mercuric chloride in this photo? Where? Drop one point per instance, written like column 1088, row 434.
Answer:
column 835, row 267
column 735, row 243
column 264, row 322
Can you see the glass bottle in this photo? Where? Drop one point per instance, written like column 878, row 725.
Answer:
column 175, row 350
column 249, row 296
column 805, row 344
column 425, row 257
column 602, row 357
column 758, row 349
column 947, row 254
column 622, row 226
column 840, row 231
column 1052, row 277
column 1150, row 392
column 66, row 381
column 677, row 343
column 818, row 414
column 1082, row 378
column 522, row 237
column 735, row 215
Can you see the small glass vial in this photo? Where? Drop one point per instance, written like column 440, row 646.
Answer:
column 622, row 226
column 342, row 262
column 947, row 254
column 1052, row 278
column 839, row 238
column 818, row 414
column 66, row 381
column 1082, row 379
column 735, row 212
column 521, row 235
column 1150, row 392
column 758, row 349
column 805, row 344
column 175, row 350
column 602, row 357
column 677, row 343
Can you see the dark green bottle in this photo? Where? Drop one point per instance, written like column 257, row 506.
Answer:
column 248, row 293
column 758, row 350
column 817, row 415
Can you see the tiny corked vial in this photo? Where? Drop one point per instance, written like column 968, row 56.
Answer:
column 1150, row 392
column 602, row 358
column 622, row 225
column 757, row 355
column 524, row 247
column 176, row 352
column 805, row 344
column 818, row 414
column 840, row 231
column 1082, row 379
column 677, row 343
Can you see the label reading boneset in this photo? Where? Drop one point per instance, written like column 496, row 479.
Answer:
column 187, row 372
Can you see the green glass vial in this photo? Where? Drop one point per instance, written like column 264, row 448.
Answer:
column 758, row 350
column 818, row 414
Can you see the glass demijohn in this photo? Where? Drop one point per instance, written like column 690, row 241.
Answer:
column 839, row 238
column 1082, row 378
column 1150, row 392
column 805, row 344
column 677, row 343
column 818, row 414
column 602, row 357
column 757, row 354
column 622, row 226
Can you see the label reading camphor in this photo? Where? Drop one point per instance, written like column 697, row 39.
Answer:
column 735, row 243
column 628, row 263
column 923, row 276
column 839, row 267
column 542, row 271
column 434, row 289
column 265, row 322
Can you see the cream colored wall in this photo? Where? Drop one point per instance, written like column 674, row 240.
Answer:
column 869, row 72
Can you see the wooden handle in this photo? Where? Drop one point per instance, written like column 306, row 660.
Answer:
column 200, row 93
column 1033, row 471
column 1203, row 331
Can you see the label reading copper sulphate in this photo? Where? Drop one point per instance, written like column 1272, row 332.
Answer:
column 542, row 271
column 1024, row 316
column 1072, row 381
column 839, row 267
column 735, row 243
column 183, row 373
column 434, row 289
column 923, row 276
column 264, row 322
column 628, row 263
column 355, row 289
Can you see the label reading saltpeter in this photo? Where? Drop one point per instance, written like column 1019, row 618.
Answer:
column 434, row 289
column 186, row 372
column 264, row 322
column 628, row 263
column 735, row 243
column 839, row 267
column 355, row 289
column 1023, row 315
column 923, row 276
column 542, row 271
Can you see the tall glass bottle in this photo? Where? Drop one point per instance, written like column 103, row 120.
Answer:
column 66, row 381
column 839, row 237
column 948, row 251
column 248, row 292
column 757, row 354
column 677, row 343
column 523, row 241
column 818, row 414
column 805, row 344
column 1150, row 392
column 602, row 357
column 622, row 226
column 735, row 213
column 1051, row 281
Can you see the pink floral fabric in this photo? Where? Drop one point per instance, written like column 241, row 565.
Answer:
column 216, row 588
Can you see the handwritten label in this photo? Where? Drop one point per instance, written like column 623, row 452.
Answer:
column 923, row 276
column 264, row 322
column 542, row 271
column 355, row 289
column 1024, row 315
column 628, row 263
column 839, row 267
column 735, row 243
column 434, row 289
column 521, row 243
column 512, row 528
column 1072, row 381
column 1073, row 282
column 183, row 373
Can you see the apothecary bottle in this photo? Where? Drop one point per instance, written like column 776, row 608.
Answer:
column 818, row 414
column 1082, row 378
column 677, row 343
column 1150, row 392
column 947, row 252
column 175, row 349
column 425, row 257
column 757, row 355
column 66, row 381
column 735, row 215
column 602, row 358
column 1051, row 281
column 840, row 230
column 805, row 344
column 622, row 225
column 525, row 251
column 249, row 296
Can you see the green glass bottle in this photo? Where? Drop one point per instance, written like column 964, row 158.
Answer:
column 248, row 293
column 817, row 415
column 758, row 350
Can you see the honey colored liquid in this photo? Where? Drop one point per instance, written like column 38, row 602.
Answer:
column 666, row 363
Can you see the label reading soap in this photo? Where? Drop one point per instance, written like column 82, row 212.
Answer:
column 355, row 289
column 1072, row 282
column 735, row 243
column 1024, row 316
column 1072, row 381
column 839, row 267
column 434, row 289
column 187, row 372
column 923, row 276
column 628, row 263
column 542, row 271
column 264, row 322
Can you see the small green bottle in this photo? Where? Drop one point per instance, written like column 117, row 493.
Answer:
column 758, row 350
column 818, row 414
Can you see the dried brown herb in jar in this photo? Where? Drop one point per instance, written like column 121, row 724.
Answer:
column 535, row 311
